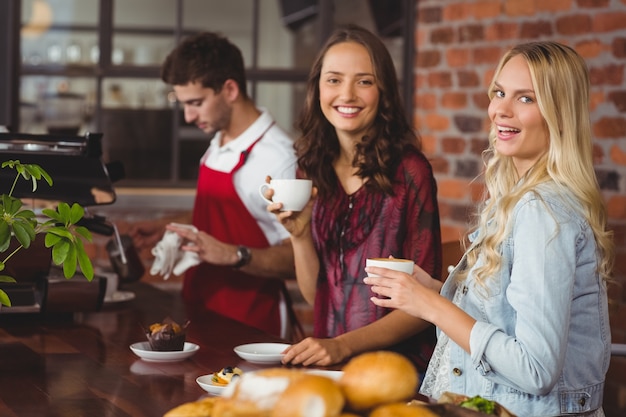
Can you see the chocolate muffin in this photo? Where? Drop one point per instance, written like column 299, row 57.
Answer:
column 167, row 336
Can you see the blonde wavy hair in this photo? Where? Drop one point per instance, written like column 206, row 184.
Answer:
column 561, row 82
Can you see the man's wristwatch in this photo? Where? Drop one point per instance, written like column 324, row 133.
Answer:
column 244, row 256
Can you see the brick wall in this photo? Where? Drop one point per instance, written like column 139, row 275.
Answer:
column 458, row 46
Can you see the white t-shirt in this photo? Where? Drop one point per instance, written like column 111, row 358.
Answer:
column 274, row 155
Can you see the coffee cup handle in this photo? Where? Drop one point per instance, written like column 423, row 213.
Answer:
column 264, row 187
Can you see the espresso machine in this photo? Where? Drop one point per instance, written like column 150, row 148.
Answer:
column 79, row 176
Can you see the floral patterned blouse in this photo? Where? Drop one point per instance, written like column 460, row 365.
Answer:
column 348, row 229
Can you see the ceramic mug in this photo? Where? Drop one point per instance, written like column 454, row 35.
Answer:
column 293, row 193
column 402, row 265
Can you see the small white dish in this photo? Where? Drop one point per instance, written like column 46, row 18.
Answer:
column 262, row 353
column 143, row 350
column 119, row 297
column 207, row 384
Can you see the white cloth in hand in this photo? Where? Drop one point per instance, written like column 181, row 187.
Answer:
column 169, row 257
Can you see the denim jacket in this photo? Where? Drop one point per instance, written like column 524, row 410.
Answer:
column 541, row 343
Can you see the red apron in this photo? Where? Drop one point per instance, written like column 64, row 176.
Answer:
column 219, row 211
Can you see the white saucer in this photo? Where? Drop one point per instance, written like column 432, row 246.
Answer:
column 142, row 349
column 262, row 353
column 119, row 297
column 207, row 384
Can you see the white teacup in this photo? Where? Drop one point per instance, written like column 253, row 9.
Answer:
column 112, row 282
column 402, row 265
column 293, row 193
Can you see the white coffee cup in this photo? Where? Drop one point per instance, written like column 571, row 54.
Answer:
column 293, row 193
column 112, row 282
column 402, row 265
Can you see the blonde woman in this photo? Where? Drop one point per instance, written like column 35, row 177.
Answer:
column 523, row 318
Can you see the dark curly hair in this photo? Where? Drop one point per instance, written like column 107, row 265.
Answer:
column 208, row 58
column 378, row 154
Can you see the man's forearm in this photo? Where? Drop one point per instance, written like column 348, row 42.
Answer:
column 273, row 262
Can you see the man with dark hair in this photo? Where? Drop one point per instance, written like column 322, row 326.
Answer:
column 244, row 252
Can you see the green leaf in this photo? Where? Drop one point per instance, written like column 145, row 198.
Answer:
column 64, row 212
column 62, row 232
column 84, row 232
column 83, row 260
column 69, row 266
column 51, row 239
column 60, row 251
column 4, row 299
column 52, row 214
column 6, row 278
column 76, row 213
column 5, row 235
column 22, row 234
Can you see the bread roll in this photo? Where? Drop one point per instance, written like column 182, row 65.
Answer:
column 402, row 410
column 310, row 396
column 254, row 394
column 201, row 408
column 376, row 378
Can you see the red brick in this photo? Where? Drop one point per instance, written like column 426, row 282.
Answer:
column 429, row 144
column 486, row 9
column 481, row 100
column 516, row 8
column 454, row 100
column 592, row 3
column 618, row 98
column 486, row 55
column 450, row 145
column 428, row 59
column 430, row 15
column 609, row 22
column 452, row 232
column 591, row 48
column 610, row 127
column 536, row 29
column 426, row 101
column 618, row 46
column 437, row 122
column 456, row 11
column 457, row 57
column 618, row 155
column 453, row 188
column 467, row 78
column 471, row 33
column 554, row 6
column 442, row 35
column 502, row 30
column 573, row 25
column 440, row 165
column 616, row 207
column 440, row 79
column 596, row 98
column 598, row 154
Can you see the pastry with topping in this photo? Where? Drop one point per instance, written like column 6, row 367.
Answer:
column 226, row 375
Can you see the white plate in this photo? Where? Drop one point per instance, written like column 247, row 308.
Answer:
column 206, row 384
column 263, row 353
column 143, row 350
column 119, row 297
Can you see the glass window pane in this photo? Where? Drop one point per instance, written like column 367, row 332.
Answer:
column 39, row 109
column 135, row 93
column 58, row 32
column 283, row 100
column 143, row 31
column 232, row 18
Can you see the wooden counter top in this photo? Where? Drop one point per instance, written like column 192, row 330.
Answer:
column 81, row 364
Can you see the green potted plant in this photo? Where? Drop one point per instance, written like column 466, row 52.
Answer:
column 60, row 226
